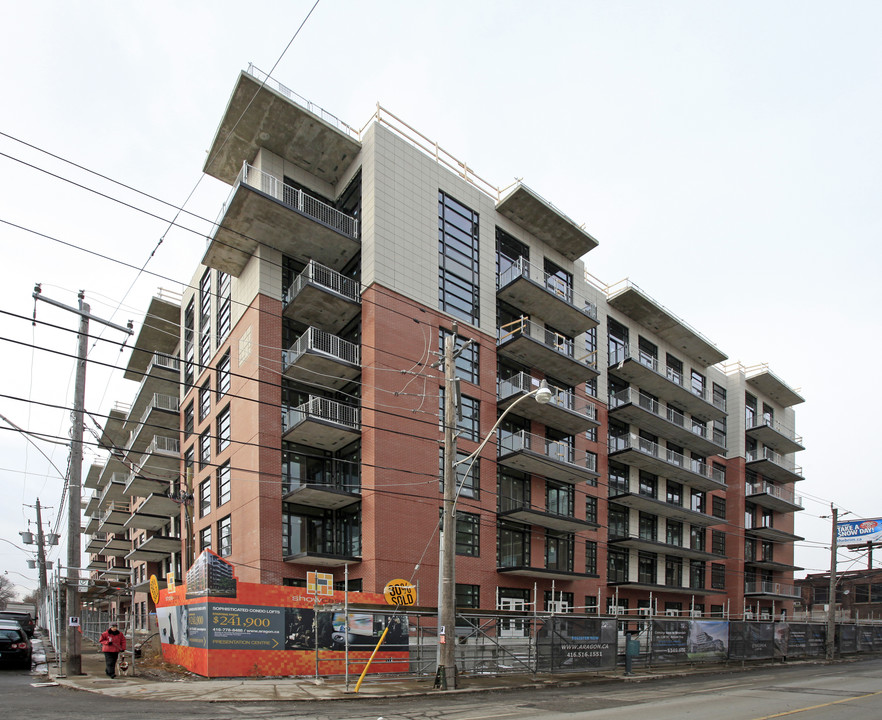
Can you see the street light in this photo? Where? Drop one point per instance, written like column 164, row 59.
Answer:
column 447, row 546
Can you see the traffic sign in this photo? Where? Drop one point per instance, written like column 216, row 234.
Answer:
column 400, row 592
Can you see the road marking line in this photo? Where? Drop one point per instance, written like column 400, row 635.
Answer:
column 822, row 705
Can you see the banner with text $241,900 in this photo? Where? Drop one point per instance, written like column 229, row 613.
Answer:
column 217, row 626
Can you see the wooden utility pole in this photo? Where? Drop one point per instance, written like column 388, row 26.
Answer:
column 75, row 478
column 831, row 593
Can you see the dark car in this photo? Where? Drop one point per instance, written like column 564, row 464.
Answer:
column 15, row 648
column 22, row 618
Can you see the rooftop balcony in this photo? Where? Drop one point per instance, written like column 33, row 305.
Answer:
column 775, row 435
column 772, row 466
column 322, row 423
column 770, row 385
column 155, row 549
column 773, row 497
column 636, row 542
column 637, row 408
column 628, row 298
column 546, row 222
column 537, row 293
column 563, row 412
column 320, row 358
column 322, row 297
column 159, row 333
column 772, row 590
column 654, row 506
column 650, row 456
column 263, row 113
column 546, row 517
column 154, row 513
column 261, row 206
column 537, row 455
column 534, row 345
column 666, row 383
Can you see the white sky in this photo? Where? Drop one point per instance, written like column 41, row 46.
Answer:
column 727, row 157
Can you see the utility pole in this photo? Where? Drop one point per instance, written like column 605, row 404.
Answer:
column 831, row 593
column 446, row 590
column 41, row 553
column 75, row 481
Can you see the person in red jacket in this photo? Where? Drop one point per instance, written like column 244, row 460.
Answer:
column 112, row 642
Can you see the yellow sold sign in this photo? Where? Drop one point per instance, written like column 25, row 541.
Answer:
column 400, row 592
column 154, row 589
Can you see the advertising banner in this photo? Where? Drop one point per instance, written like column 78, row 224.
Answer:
column 577, row 644
column 221, row 627
column 708, row 641
column 669, row 641
column 858, row 532
column 848, row 638
column 751, row 641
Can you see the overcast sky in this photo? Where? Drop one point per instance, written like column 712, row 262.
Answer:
column 726, row 155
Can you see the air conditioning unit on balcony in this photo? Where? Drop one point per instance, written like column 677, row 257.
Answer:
column 748, row 615
column 644, row 612
column 672, row 613
column 765, row 615
column 695, row 613
column 616, row 610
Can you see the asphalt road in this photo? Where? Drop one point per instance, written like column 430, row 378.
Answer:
column 850, row 690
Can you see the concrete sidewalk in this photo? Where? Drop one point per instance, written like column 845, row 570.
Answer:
column 191, row 687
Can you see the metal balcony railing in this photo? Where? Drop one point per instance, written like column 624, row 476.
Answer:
column 562, row 398
column 556, row 450
column 771, row 588
column 777, row 426
column 647, row 447
column 293, row 198
column 323, row 409
column 116, row 507
column 775, row 491
column 768, row 454
column 650, row 404
column 550, row 338
column 159, row 401
column 553, row 283
column 324, row 342
column 621, row 354
column 316, row 274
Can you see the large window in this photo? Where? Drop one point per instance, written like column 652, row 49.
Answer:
column 514, row 545
column 617, row 335
column 558, row 551
column 188, row 419
column 204, row 449
column 223, row 305
column 468, row 534
column 647, row 564
column 223, row 429
column 189, row 342
column 513, row 489
column 590, row 557
column 458, row 271
column 559, row 498
column 223, row 375
column 204, row 498
column 205, row 318
column 468, row 596
column 718, row 542
column 204, row 400
column 205, row 538
column 467, row 361
column 225, row 536
column 617, row 521
column 465, row 486
column 617, row 565
column 469, row 417
column 223, row 484
column 591, row 509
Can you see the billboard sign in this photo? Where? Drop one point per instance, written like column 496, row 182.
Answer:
column 859, row 532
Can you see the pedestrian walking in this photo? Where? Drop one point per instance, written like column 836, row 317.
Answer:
column 112, row 642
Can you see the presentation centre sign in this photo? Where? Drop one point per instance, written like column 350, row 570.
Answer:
column 859, row 532
column 218, row 626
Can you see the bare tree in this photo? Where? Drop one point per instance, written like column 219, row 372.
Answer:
column 7, row 591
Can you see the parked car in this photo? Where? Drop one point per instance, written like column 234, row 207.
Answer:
column 15, row 648
column 22, row 618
